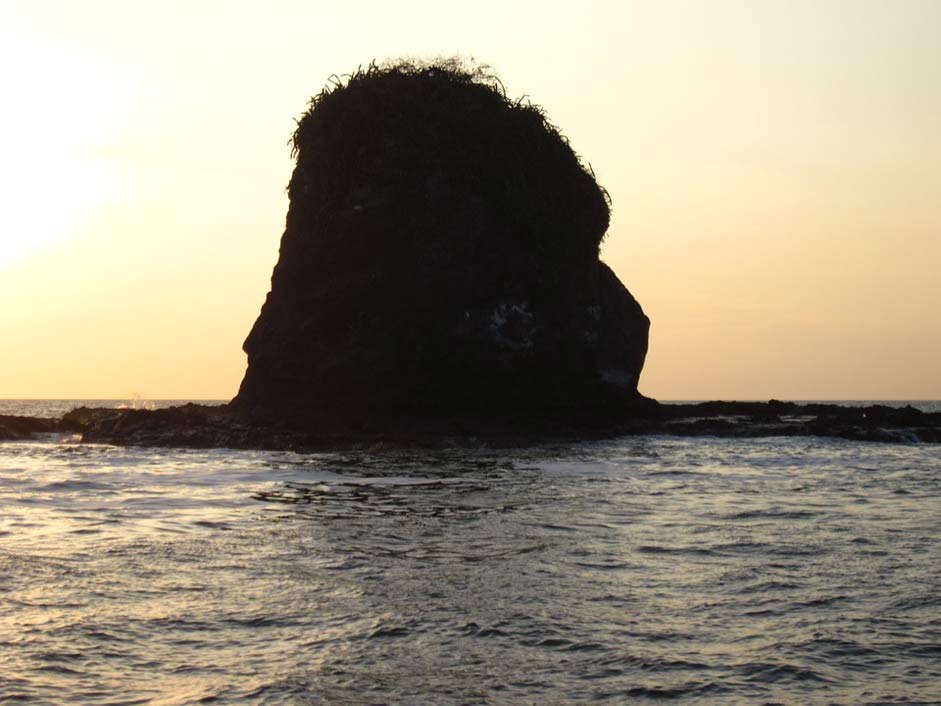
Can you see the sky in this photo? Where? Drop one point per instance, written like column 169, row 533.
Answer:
column 775, row 170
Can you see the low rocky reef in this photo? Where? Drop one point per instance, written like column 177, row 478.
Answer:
column 19, row 428
column 198, row 426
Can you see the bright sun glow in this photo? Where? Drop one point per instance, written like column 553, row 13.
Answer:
column 58, row 109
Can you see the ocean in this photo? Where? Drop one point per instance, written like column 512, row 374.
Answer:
column 648, row 569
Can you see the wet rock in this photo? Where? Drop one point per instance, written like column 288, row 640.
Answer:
column 205, row 426
column 17, row 428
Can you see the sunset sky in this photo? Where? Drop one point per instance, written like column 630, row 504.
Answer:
column 775, row 169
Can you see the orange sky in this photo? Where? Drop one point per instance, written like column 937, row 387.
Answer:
column 775, row 169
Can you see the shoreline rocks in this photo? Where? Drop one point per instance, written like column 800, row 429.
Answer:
column 198, row 426
column 20, row 428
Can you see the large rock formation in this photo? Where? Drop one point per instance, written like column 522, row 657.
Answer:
column 440, row 258
column 439, row 284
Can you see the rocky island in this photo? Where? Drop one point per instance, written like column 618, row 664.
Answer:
column 440, row 257
column 439, row 281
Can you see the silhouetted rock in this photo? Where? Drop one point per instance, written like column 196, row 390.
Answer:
column 17, row 428
column 206, row 426
column 439, row 284
column 440, row 258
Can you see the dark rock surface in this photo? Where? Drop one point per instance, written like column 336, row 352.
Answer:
column 776, row 418
column 440, row 257
column 14, row 428
column 201, row 426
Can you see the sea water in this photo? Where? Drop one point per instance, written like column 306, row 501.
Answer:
column 634, row 570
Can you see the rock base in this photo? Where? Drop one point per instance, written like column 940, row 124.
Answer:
column 209, row 427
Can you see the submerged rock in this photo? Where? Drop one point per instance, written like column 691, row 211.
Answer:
column 440, row 257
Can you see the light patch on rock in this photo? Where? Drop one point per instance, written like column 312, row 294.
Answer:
column 616, row 376
column 512, row 326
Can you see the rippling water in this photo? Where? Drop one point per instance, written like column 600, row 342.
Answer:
column 792, row 571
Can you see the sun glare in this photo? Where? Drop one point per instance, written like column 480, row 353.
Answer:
column 60, row 109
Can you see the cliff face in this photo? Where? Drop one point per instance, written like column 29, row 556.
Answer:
column 440, row 257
